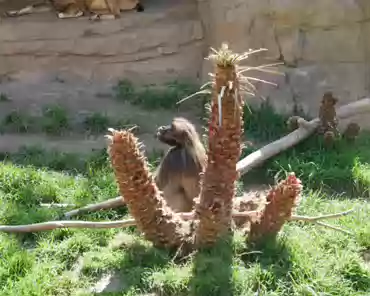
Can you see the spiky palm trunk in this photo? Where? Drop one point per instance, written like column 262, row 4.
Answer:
column 213, row 211
column 145, row 203
column 225, row 128
column 281, row 201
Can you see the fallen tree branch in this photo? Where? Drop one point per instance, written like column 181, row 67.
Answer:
column 316, row 220
column 323, row 217
column 333, row 227
column 256, row 158
column 66, row 224
column 56, row 205
column 51, row 225
column 108, row 204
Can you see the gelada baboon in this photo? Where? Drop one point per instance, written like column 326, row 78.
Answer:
column 328, row 118
column 351, row 132
column 77, row 8
column 178, row 174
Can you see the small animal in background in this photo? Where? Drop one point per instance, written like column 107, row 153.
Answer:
column 292, row 123
column 178, row 174
column 351, row 132
column 328, row 118
column 295, row 122
column 76, row 8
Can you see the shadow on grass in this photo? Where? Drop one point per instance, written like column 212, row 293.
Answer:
column 132, row 264
column 357, row 275
column 212, row 270
column 275, row 261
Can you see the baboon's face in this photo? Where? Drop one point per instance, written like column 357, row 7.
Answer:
column 166, row 135
column 177, row 134
column 329, row 99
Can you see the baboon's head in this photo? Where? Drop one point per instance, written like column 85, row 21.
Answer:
column 328, row 99
column 180, row 133
column 353, row 129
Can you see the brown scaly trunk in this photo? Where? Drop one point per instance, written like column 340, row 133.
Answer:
column 145, row 203
column 218, row 189
column 281, row 201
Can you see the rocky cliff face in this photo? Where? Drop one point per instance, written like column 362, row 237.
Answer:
column 153, row 46
column 46, row 62
column 324, row 45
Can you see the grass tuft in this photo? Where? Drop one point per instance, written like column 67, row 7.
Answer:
column 153, row 96
column 55, row 120
column 4, row 98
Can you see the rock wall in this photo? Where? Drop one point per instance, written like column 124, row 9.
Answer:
column 152, row 46
column 324, row 45
column 45, row 60
column 74, row 63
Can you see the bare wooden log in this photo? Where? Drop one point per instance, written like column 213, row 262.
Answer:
column 51, row 225
column 316, row 220
column 333, row 227
column 256, row 158
column 56, row 205
column 108, row 204
column 66, row 224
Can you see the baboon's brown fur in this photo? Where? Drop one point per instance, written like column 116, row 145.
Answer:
column 328, row 119
column 327, row 114
column 178, row 174
column 77, row 8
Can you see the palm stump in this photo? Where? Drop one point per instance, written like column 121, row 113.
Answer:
column 213, row 213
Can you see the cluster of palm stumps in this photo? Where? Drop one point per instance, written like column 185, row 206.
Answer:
column 214, row 210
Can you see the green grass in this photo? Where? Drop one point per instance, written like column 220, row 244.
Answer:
column 154, row 96
column 97, row 123
column 263, row 124
column 305, row 260
column 54, row 120
column 57, row 121
column 343, row 168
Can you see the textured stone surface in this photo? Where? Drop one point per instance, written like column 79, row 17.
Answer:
column 47, row 61
column 162, row 43
column 323, row 44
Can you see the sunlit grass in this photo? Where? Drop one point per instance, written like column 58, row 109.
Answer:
column 306, row 260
